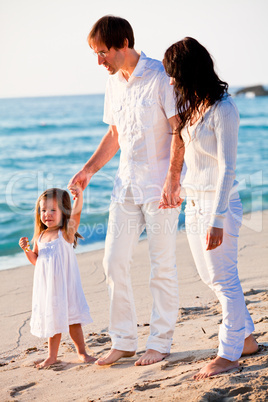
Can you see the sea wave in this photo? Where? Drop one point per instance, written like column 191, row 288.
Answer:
column 48, row 128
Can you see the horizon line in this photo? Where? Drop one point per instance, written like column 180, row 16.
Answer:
column 231, row 87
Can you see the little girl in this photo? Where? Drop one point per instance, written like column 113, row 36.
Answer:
column 58, row 304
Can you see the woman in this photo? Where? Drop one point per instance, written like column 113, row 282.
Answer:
column 209, row 123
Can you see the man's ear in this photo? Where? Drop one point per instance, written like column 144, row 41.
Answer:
column 125, row 43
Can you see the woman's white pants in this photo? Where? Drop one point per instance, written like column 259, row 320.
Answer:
column 126, row 222
column 218, row 269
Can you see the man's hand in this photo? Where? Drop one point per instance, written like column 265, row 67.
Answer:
column 170, row 197
column 80, row 180
column 75, row 189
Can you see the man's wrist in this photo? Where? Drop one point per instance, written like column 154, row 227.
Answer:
column 89, row 171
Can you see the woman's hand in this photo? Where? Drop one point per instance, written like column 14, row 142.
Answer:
column 214, row 238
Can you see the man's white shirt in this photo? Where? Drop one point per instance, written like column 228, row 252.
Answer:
column 140, row 109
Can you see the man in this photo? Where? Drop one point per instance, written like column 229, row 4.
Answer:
column 140, row 110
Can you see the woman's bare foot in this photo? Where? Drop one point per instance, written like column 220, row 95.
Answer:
column 250, row 346
column 85, row 358
column 112, row 356
column 216, row 366
column 151, row 356
column 46, row 363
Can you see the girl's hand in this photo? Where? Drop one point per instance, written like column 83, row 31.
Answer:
column 76, row 190
column 214, row 238
column 81, row 178
column 24, row 244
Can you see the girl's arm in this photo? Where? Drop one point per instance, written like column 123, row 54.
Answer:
column 74, row 221
column 30, row 254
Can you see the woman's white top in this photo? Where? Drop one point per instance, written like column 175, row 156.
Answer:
column 58, row 298
column 210, row 155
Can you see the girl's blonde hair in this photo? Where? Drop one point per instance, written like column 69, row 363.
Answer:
column 64, row 204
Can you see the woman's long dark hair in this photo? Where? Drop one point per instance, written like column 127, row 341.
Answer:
column 196, row 83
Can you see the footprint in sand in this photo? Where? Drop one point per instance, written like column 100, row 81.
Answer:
column 31, row 350
column 252, row 292
column 262, row 319
column 188, row 313
column 264, row 297
column 221, row 394
column 213, row 336
column 145, row 387
column 98, row 339
column 17, row 390
column 69, row 347
column 59, row 366
column 178, row 362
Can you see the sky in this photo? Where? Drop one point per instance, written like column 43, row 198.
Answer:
column 44, row 51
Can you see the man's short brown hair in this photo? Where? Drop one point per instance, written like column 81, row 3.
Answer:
column 112, row 32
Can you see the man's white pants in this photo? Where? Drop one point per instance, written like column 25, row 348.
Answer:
column 126, row 222
column 218, row 269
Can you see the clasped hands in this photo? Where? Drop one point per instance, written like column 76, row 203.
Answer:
column 78, row 183
column 169, row 202
column 170, row 197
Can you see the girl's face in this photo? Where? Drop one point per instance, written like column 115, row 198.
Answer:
column 50, row 214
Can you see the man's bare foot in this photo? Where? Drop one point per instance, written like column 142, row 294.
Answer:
column 151, row 356
column 216, row 366
column 46, row 363
column 250, row 346
column 85, row 358
column 112, row 356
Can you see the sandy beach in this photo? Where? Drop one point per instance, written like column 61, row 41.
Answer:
column 195, row 339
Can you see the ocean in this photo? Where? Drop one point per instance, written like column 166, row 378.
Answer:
column 45, row 141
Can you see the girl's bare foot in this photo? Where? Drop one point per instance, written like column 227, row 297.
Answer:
column 216, row 366
column 46, row 363
column 85, row 358
column 250, row 346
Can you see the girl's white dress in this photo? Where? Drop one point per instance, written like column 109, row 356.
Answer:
column 58, row 298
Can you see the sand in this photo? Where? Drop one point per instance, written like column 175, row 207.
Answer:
column 195, row 340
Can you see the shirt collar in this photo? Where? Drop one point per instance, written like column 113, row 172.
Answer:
column 138, row 71
column 140, row 67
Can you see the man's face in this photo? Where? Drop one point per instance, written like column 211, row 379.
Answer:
column 113, row 60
